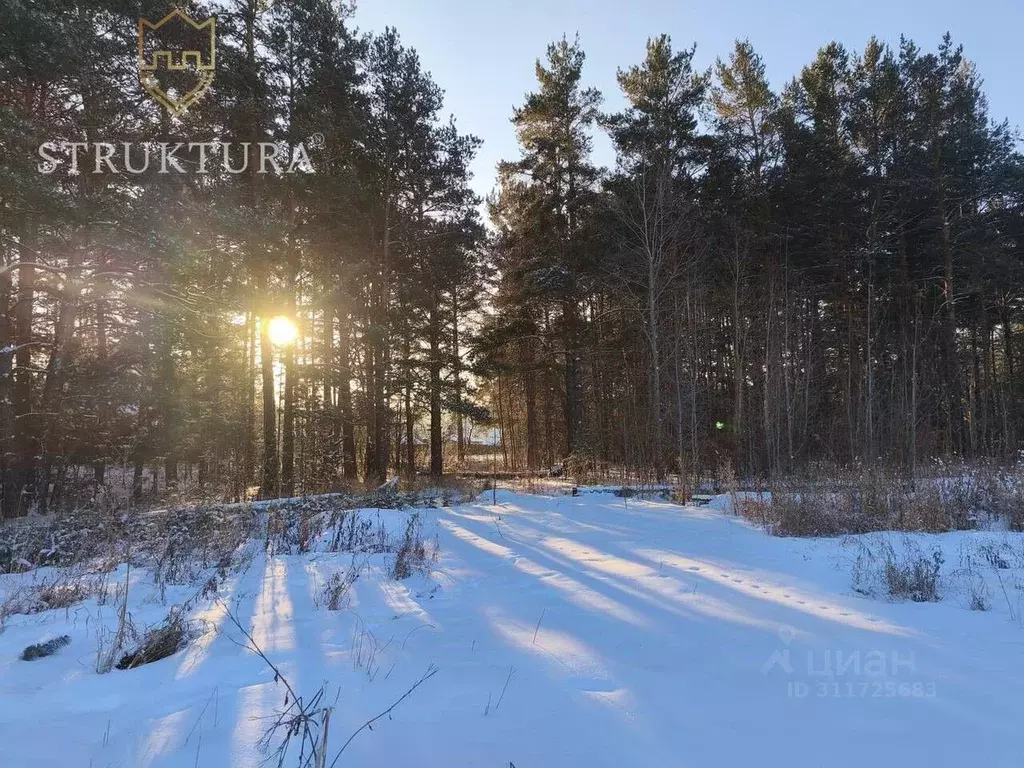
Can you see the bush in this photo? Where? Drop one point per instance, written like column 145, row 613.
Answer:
column 175, row 542
column 444, row 491
column 1007, row 499
column 864, row 500
column 294, row 528
column 412, row 555
column 180, row 544
column 1016, row 518
column 911, row 575
column 788, row 512
column 803, row 514
column 334, row 593
column 978, row 597
column 62, row 591
column 60, row 540
column 915, row 576
column 923, row 509
column 356, row 533
column 158, row 643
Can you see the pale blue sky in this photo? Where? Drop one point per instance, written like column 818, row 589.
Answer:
column 482, row 52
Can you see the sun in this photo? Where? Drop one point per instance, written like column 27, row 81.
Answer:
column 282, row 331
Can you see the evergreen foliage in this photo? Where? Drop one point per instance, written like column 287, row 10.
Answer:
column 763, row 280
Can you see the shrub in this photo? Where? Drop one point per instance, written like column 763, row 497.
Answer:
column 175, row 542
column 756, row 509
column 910, row 575
column 729, row 484
column 412, row 556
column 158, row 643
column 180, row 544
column 1016, row 517
column 62, row 591
column 993, row 556
column 356, row 533
column 334, row 593
column 801, row 514
column 446, row 490
column 978, row 598
column 1008, row 499
column 110, row 642
column 865, row 500
column 914, row 576
column 923, row 509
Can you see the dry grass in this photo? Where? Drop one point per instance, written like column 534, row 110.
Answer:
column 355, row 532
column 446, row 490
column 955, row 498
column 61, row 591
column 914, row 576
column 908, row 574
column 334, row 594
column 176, row 543
column 158, row 643
column 110, row 643
column 413, row 554
column 792, row 513
column 59, row 594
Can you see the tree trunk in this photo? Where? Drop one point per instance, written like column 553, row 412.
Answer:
column 410, row 421
column 269, row 484
column 26, row 432
column 344, row 412
column 737, row 351
column 6, row 416
column 573, row 379
column 436, row 446
column 457, row 382
column 529, row 379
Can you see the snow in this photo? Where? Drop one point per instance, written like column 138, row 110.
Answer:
column 567, row 631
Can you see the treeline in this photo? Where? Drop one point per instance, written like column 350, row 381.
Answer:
column 136, row 326
column 772, row 281
column 764, row 279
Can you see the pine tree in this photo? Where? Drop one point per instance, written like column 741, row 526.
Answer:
column 651, row 196
column 555, row 180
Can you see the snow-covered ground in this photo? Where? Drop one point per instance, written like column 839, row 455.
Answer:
column 566, row 631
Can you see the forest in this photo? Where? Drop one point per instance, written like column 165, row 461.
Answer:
column 769, row 280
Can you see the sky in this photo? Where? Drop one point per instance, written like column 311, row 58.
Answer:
column 483, row 52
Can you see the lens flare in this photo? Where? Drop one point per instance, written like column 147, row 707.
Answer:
column 282, row 331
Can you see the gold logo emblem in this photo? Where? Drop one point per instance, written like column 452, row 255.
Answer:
column 188, row 71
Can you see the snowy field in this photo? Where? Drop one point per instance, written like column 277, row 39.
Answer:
column 565, row 631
